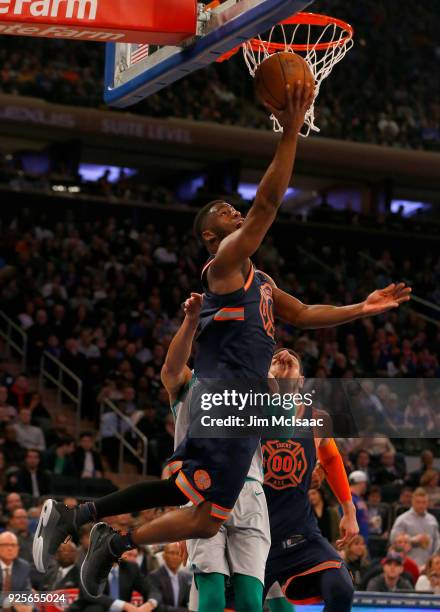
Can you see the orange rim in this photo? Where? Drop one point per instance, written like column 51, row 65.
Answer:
column 300, row 18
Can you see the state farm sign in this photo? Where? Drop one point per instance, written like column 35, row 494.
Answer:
column 167, row 22
column 70, row 9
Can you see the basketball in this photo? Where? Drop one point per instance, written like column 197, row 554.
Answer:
column 277, row 71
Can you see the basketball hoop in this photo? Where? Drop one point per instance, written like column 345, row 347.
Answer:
column 322, row 41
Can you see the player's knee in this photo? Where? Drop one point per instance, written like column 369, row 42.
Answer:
column 205, row 525
column 209, row 527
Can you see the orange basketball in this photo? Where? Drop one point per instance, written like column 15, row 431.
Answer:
column 277, row 71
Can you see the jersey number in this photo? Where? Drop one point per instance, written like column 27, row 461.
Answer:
column 266, row 309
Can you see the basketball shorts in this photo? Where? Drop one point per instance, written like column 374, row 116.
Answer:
column 275, row 592
column 213, row 469
column 242, row 544
column 295, row 564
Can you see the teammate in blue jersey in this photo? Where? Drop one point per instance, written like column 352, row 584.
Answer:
column 301, row 560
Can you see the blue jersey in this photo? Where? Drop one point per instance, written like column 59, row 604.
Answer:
column 236, row 333
column 288, row 467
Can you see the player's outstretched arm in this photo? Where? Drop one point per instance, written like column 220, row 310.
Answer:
column 175, row 373
column 241, row 244
column 293, row 311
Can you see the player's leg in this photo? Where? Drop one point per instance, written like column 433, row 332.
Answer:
column 276, row 601
column 57, row 522
column 337, row 589
column 280, row 604
column 107, row 546
column 248, row 545
column 248, row 592
column 211, row 592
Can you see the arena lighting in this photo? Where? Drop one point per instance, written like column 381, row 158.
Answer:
column 93, row 172
column 410, row 207
column 249, row 190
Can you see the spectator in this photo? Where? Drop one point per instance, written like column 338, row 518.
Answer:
column 391, row 579
column 112, row 425
column 405, row 497
column 355, row 555
column 362, row 463
column 59, row 459
column 11, row 449
column 29, row 436
column 173, row 583
column 19, row 524
column 87, row 460
column 58, row 432
column 429, row 481
column 358, row 487
column 37, row 338
column 13, row 501
column 427, row 463
column 8, row 413
column 388, row 473
column 19, row 392
column 377, row 512
column 31, row 478
column 402, row 545
column 124, row 579
column 40, row 414
column 65, row 574
column 15, row 571
column 327, row 516
column 432, row 567
column 421, row 526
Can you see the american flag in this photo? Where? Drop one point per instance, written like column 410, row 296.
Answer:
column 138, row 53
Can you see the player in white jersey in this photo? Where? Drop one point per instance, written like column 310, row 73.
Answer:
column 241, row 546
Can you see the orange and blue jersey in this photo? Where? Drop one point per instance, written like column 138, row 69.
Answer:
column 237, row 330
column 299, row 552
column 288, row 467
column 235, row 341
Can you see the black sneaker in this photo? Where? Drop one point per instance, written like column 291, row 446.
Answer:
column 99, row 560
column 55, row 526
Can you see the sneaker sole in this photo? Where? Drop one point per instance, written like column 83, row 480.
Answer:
column 94, row 536
column 40, row 546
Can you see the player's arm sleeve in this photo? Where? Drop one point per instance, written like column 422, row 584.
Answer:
column 333, row 466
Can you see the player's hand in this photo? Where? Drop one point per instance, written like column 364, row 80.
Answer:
column 192, row 306
column 184, row 552
column 348, row 528
column 382, row 300
column 299, row 99
column 281, row 364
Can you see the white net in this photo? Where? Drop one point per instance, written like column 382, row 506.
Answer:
column 322, row 44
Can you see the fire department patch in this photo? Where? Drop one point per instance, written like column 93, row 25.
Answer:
column 285, row 463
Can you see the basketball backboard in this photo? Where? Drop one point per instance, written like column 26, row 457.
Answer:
column 135, row 71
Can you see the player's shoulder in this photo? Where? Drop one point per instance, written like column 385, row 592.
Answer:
column 266, row 277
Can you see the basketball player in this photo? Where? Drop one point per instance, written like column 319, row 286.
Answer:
column 240, row 348
column 301, row 560
column 241, row 546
